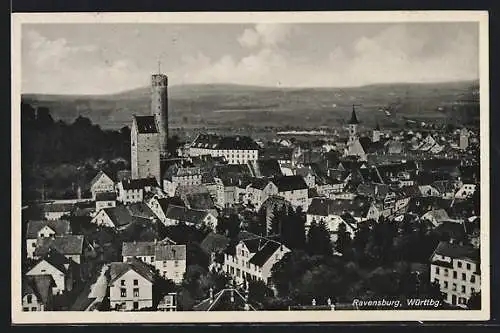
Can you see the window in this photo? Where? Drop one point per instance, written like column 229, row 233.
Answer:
column 454, row 287
column 436, row 281
column 26, row 309
column 123, row 282
column 468, row 266
column 33, row 309
column 164, row 263
column 454, row 274
column 135, row 305
column 472, row 278
column 136, row 292
column 152, row 259
column 472, row 290
column 33, row 244
column 136, row 282
column 464, row 277
column 176, row 263
column 238, row 272
column 463, row 289
column 445, row 285
column 29, row 299
column 459, row 264
column 123, row 292
column 446, row 272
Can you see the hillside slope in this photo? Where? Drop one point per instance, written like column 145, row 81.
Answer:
column 235, row 106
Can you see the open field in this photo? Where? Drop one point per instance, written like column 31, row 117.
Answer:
column 242, row 108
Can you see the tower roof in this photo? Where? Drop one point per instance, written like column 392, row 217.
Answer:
column 146, row 124
column 354, row 119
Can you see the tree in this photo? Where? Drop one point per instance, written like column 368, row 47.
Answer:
column 343, row 239
column 258, row 291
column 173, row 143
column 229, row 225
column 318, row 240
column 474, row 302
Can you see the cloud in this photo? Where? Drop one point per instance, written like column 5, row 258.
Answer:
column 56, row 67
column 399, row 53
column 266, row 35
column 266, row 54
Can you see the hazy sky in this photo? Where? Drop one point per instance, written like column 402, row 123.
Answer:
column 108, row 58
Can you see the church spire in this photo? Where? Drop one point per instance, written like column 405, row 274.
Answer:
column 354, row 119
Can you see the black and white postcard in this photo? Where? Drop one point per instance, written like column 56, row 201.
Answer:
column 250, row 167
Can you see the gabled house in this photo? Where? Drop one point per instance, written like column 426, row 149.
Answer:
column 253, row 258
column 55, row 211
column 130, row 285
column 293, row 189
column 71, row 246
column 258, row 191
column 169, row 259
column 104, row 200
column 44, row 229
column 37, row 292
column 336, row 212
column 192, row 217
column 133, row 190
column 101, row 183
column 59, row 267
column 116, row 217
column 176, row 176
column 308, row 174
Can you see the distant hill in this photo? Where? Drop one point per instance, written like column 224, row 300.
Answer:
column 236, row 106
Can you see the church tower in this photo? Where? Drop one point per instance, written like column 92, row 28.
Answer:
column 464, row 138
column 376, row 133
column 159, row 108
column 353, row 125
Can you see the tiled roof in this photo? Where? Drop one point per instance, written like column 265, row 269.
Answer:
column 170, row 252
column 275, row 153
column 457, row 251
column 117, row 269
column 146, row 124
column 200, row 201
column 325, row 207
column 268, row 168
column 40, row 285
column 58, row 260
column 57, row 207
column 105, row 196
column 134, row 249
column 98, row 176
column 183, row 214
column 60, row 227
column 136, row 184
column 263, row 255
column 259, row 183
column 119, row 215
column 140, row 209
column 214, row 242
column 211, row 141
column 290, row 183
column 67, row 245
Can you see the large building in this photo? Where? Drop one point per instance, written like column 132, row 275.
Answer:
column 235, row 149
column 456, row 269
column 145, row 148
column 353, row 146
